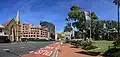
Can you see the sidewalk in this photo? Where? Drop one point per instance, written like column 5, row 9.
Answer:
column 68, row 50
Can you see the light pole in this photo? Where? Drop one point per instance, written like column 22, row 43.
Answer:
column 117, row 2
column 118, row 17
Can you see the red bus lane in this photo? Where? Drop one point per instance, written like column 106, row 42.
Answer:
column 43, row 52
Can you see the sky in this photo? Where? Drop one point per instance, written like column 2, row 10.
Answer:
column 55, row 11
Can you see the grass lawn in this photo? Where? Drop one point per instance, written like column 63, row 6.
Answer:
column 102, row 45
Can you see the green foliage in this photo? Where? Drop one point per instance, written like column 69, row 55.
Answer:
column 76, row 17
column 114, row 52
column 117, row 54
column 76, row 43
column 94, row 16
column 83, row 44
column 88, row 46
column 102, row 45
column 75, row 7
column 116, row 43
column 37, row 39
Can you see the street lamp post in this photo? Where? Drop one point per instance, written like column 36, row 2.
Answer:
column 117, row 2
column 118, row 17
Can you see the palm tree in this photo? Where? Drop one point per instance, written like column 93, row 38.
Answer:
column 117, row 2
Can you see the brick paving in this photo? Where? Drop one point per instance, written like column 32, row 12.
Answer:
column 68, row 50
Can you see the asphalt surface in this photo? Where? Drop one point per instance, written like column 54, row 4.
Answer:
column 16, row 49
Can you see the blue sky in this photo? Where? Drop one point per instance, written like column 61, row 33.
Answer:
column 55, row 11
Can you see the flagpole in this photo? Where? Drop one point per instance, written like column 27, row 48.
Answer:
column 90, row 25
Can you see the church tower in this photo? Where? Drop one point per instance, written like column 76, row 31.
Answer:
column 17, row 20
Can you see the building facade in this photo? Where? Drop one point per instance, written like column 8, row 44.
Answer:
column 28, row 31
column 51, row 28
column 12, row 29
column 3, row 37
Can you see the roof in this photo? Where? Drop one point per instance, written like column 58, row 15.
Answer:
column 4, row 24
column 1, row 26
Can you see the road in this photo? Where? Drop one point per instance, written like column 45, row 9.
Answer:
column 17, row 49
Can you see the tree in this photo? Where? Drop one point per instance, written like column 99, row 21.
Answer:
column 77, row 17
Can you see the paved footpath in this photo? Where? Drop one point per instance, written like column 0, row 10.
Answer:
column 69, row 51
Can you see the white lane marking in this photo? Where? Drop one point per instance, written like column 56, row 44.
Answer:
column 6, row 49
column 14, row 45
column 22, row 47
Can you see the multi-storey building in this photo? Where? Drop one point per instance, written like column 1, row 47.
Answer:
column 51, row 28
column 13, row 31
column 29, row 31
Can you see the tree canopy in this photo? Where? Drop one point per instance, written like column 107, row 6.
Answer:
column 77, row 18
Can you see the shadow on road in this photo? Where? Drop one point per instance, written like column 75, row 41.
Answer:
column 89, row 53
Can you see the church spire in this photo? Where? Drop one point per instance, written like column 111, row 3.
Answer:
column 18, row 18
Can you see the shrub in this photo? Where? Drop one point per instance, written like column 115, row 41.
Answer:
column 87, row 43
column 89, row 47
column 39, row 40
column 67, row 41
column 116, row 43
column 113, row 52
column 84, row 44
column 73, row 42
column 117, row 54
column 76, row 43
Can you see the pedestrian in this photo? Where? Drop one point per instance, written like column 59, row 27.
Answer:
column 26, row 40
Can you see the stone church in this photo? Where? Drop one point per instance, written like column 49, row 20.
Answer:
column 12, row 29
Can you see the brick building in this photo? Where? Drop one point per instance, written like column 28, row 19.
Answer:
column 30, row 31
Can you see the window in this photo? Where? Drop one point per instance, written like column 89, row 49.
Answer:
column 37, row 35
column 0, row 30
